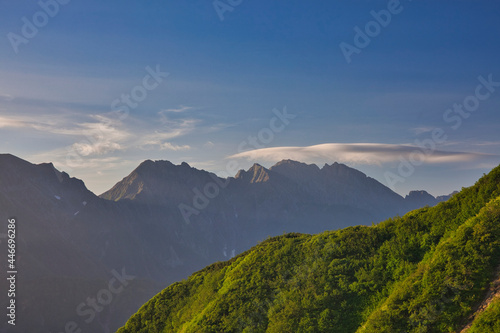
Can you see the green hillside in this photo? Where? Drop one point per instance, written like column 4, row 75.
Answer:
column 423, row 272
column 489, row 320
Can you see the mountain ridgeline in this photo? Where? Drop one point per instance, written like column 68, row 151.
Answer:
column 72, row 243
column 281, row 196
column 427, row 271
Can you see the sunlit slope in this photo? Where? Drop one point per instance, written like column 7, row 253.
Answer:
column 489, row 320
column 423, row 272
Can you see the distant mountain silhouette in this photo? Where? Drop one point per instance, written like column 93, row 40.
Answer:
column 161, row 182
column 160, row 224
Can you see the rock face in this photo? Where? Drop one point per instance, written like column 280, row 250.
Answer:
column 256, row 174
column 159, row 182
column 338, row 184
column 160, row 224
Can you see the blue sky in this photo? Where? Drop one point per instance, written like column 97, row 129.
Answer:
column 228, row 79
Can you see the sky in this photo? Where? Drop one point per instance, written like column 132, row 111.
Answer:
column 406, row 91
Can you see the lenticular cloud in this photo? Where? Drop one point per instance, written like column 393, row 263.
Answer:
column 358, row 153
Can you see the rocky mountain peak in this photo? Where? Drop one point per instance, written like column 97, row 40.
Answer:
column 256, row 174
column 158, row 182
column 339, row 170
column 420, row 198
column 296, row 170
column 151, row 168
column 421, row 194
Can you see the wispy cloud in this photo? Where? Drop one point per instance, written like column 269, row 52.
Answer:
column 97, row 136
column 174, row 147
column 100, row 134
column 181, row 108
column 6, row 97
column 357, row 153
column 15, row 122
column 421, row 130
column 164, row 114
column 487, row 143
column 59, row 158
column 208, row 145
column 96, row 148
column 42, row 123
column 170, row 130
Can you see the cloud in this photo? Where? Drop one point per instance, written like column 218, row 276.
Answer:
column 160, row 139
column 164, row 113
column 6, row 97
column 96, row 136
column 170, row 146
column 159, row 143
column 421, row 130
column 44, row 123
column 487, row 143
column 208, row 145
column 359, row 153
column 101, row 164
column 181, row 108
column 65, row 159
column 99, row 136
column 14, row 122
column 171, row 129
column 97, row 148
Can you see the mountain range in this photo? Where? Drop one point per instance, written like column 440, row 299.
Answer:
column 160, row 224
column 435, row 269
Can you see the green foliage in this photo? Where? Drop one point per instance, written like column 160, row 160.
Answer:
column 445, row 286
column 489, row 320
column 422, row 272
